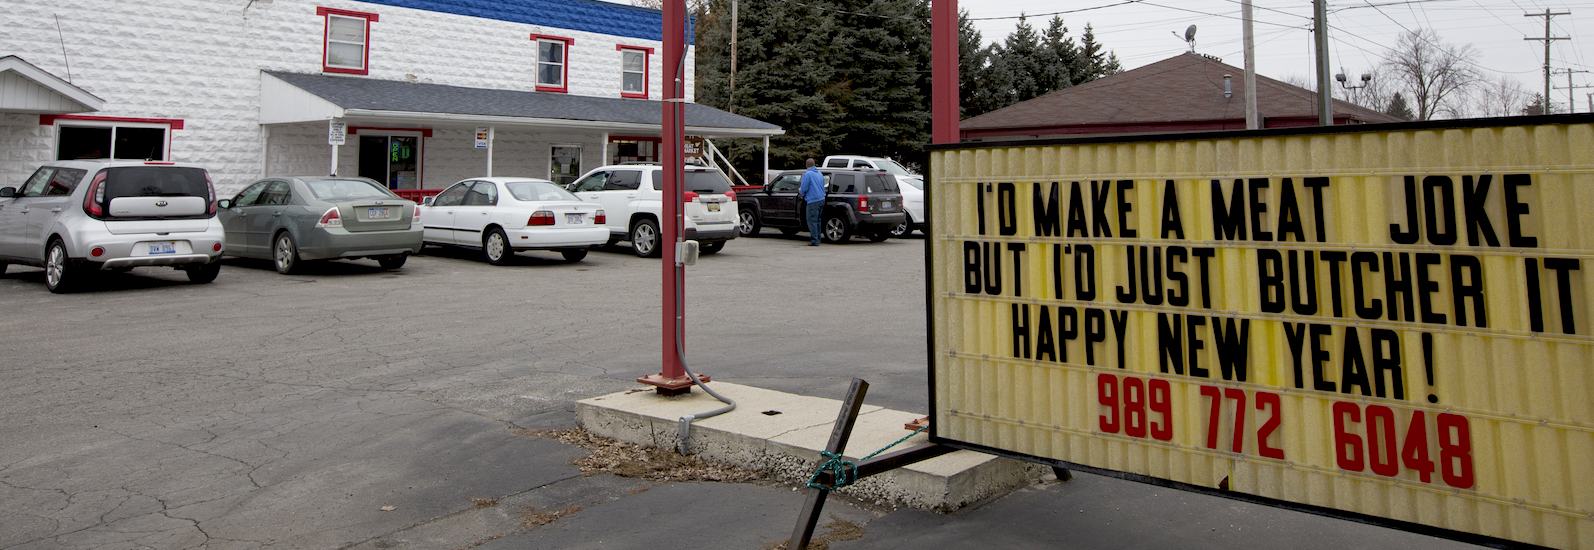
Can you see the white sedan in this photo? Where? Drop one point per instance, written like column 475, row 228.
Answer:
column 501, row 216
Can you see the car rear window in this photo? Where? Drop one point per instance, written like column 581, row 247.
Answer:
column 342, row 190
column 699, row 181
column 538, row 191
column 879, row 184
column 156, row 181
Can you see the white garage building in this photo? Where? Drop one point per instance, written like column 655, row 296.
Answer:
column 247, row 88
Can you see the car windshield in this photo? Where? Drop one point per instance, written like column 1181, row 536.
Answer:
column 892, row 167
column 342, row 190
column 155, row 181
column 912, row 182
column 538, row 191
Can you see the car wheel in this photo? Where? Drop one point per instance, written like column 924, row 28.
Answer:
column 203, row 273
column 710, row 247
column 645, row 238
column 285, row 254
column 574, row 254
column 788, row 231
column 835, row 230
column 60, row 274
column 880, row 235
column 393, row 262
column 495, row 247
column 748, row 226
column 3, row 268
column 902, row 229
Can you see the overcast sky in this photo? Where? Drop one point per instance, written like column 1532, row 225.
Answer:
column 1143, row 32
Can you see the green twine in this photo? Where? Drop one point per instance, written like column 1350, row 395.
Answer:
column 845, row 472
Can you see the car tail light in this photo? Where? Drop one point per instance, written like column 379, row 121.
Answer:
column 731, row 195
column 94, row 200
column 210, row 187
column 690, row 196
column 97, row 251
column 540, row 217
column 417, row 211
column 600, row 218
column 216, row 247
column 330, row 219
column 863, row 204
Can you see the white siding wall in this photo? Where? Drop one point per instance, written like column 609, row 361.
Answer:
column 199, row 61
column 23, row 145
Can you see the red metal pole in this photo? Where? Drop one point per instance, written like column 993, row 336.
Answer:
column 943, row 71
column 672, row 376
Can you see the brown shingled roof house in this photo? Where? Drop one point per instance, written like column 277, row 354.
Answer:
column 1184, row 93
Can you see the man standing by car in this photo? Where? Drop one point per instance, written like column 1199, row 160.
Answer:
column 813, row 192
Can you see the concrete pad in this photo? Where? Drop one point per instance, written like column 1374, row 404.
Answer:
column 787, row 445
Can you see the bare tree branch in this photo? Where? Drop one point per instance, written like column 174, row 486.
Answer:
column 1432, row 74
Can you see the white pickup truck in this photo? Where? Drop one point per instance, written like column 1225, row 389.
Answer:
column 912, row 186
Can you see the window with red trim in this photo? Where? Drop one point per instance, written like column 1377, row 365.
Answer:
column 634, row 71
column 347, row 41
column 553, row 63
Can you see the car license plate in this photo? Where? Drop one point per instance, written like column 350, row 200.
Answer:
column 168, row 247
column 713, row 207
column 376, row 213
column 573, row 219
column 886, row 205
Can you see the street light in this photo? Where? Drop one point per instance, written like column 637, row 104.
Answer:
column 1366, row 79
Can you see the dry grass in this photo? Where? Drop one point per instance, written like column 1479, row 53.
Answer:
column 484, row 502
column 531, row 518
column 636, row 461
column 836, row 531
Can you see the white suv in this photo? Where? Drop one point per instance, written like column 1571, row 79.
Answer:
column 632, row 196
column 73, row 217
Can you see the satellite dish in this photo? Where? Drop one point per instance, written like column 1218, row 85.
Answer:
column 1189, row 34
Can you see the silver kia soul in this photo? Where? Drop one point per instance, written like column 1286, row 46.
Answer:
column 73, row 217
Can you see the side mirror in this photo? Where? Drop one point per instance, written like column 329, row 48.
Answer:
column 224, row 204
column 7, row 192
column 427, row 201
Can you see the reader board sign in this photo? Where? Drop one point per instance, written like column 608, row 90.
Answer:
column 1391, row 322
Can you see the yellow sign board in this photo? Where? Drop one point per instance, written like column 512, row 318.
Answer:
column 1387, row 323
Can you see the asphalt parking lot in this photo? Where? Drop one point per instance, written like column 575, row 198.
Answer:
column 271, row 411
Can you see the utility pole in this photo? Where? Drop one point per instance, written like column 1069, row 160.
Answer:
column 1325, row 109
column 1547, row 15
column 1571, row 99
column 1252, row 119
column 733, row 56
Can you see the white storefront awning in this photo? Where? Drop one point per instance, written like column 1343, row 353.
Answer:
column 25, row 88
column 295, row 98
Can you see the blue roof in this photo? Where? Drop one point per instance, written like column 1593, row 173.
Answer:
column 581, row 15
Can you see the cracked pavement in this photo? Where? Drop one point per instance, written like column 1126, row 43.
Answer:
column 271, row 411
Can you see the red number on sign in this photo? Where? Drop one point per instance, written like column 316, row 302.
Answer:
column 1134, row 407
column 1347, row 446
column 1238, row 396
column 1381, row 440
column 1107, row 394
column 1414, row 453
column 1269, row 401
column 1161, row 402
column 1455, row 452
column 1217, row 412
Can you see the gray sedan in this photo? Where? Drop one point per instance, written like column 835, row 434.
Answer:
column 289, row 220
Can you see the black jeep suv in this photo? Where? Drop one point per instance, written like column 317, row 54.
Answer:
column 857, row 202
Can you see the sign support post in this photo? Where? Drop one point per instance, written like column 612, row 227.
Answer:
column 337, row 133
column 672, row 378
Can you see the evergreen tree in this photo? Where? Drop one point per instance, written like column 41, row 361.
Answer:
column 1060, row 54
column 1536, row 106
column 1092, row 62
column 976, row 92
column 1025, row 63
column 1398, row 109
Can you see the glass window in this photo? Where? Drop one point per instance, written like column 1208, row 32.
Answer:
column 551, row 63
column 103, row 142
column 624, row 180
column 36, row 184
column 707, row 181
column 277, row 192
column 250, row 195
column 843, row 183
column 593, row 182
column 892, row 167
column 836, row 163
column 345, row 42
column 484, row 193
column 538, row 191
column 452, row 196
column 337, row 190
column 788, row 182
column 155, row 181
column 564, row 163
column 878, row 184
column 633, row 71
column 64, row 181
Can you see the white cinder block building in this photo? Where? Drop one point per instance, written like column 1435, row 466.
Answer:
column 248, row 88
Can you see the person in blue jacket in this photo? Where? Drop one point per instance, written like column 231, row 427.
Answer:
column 813, row 192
